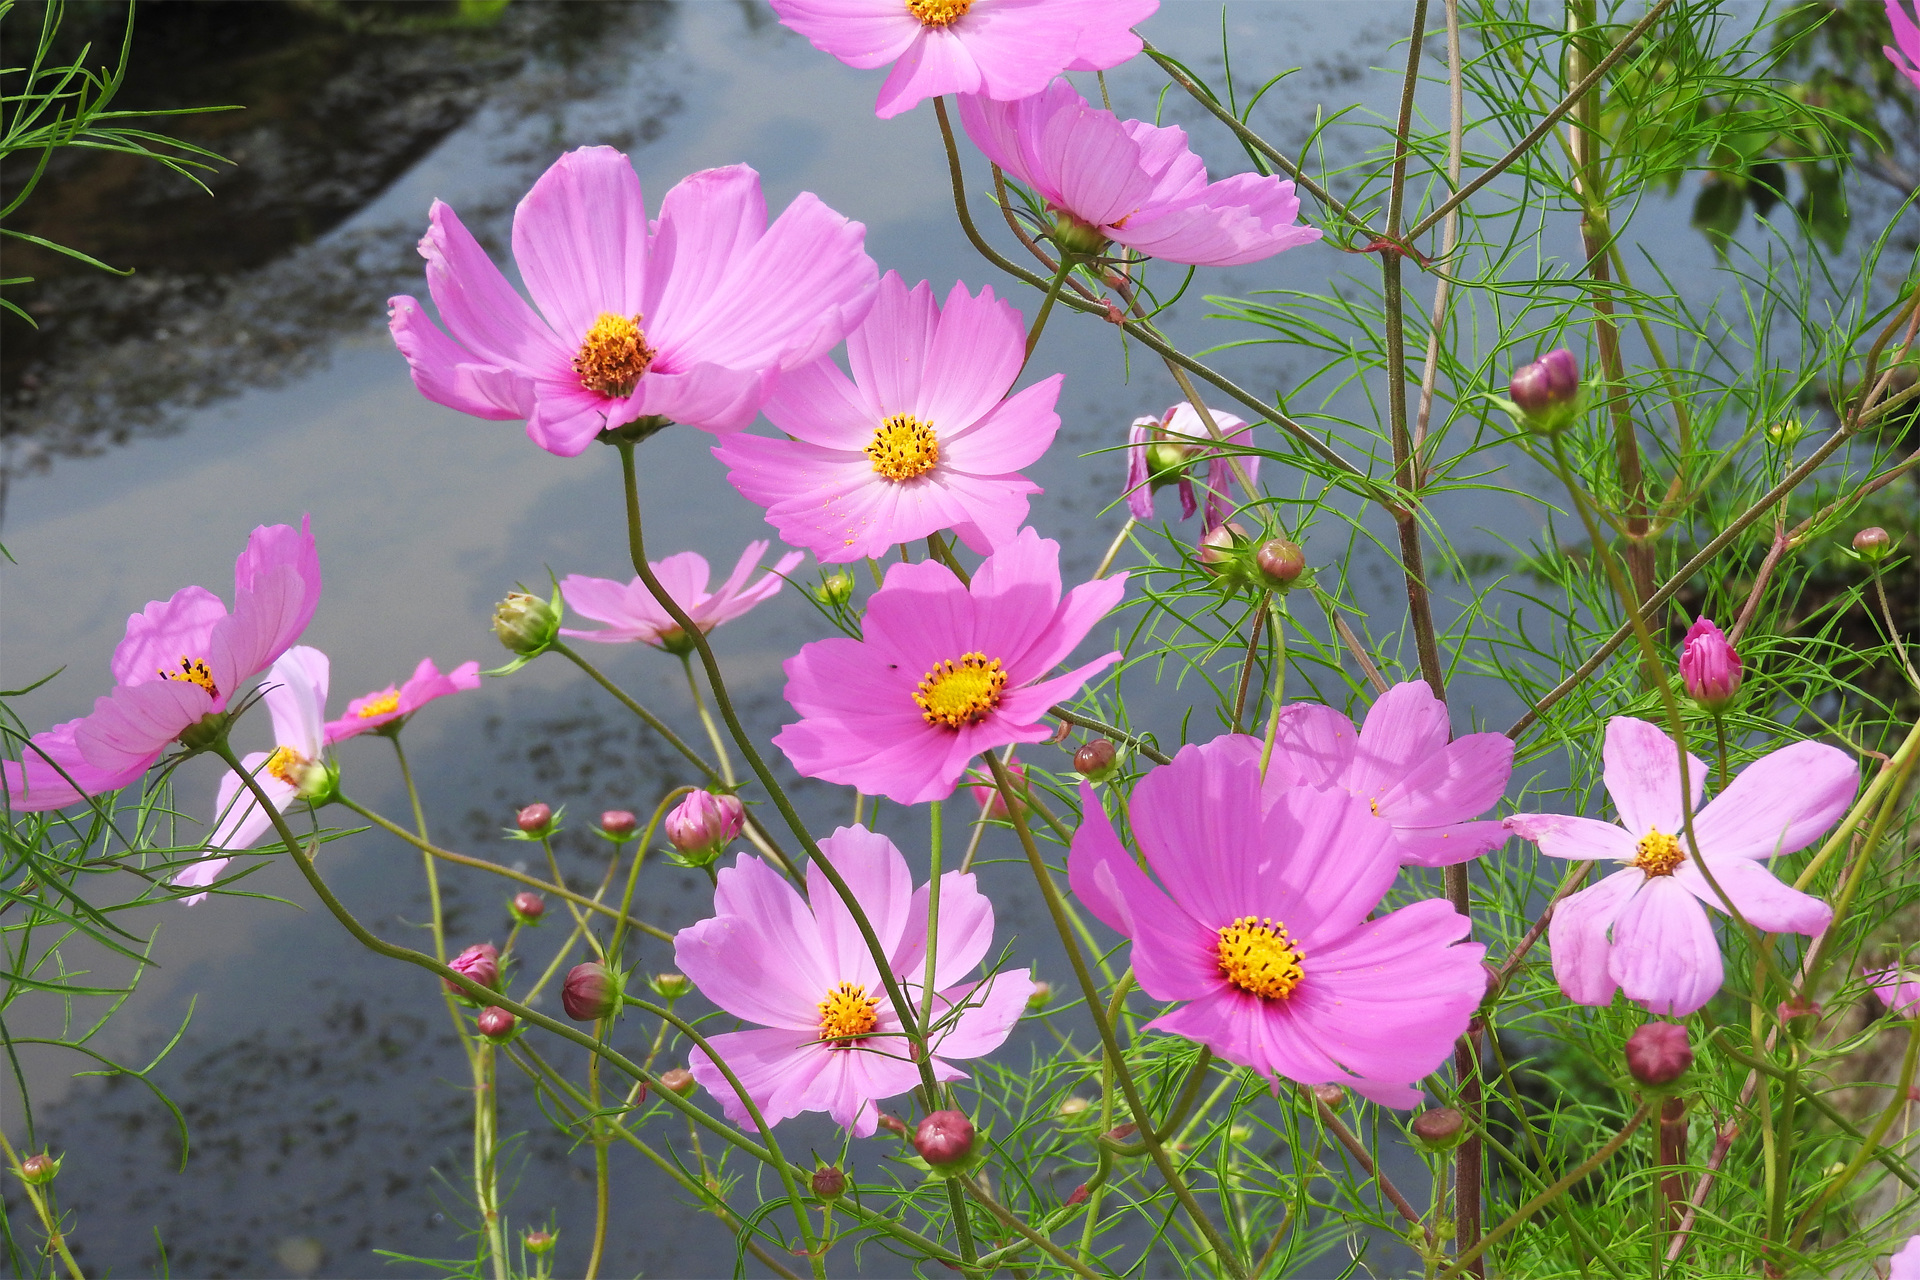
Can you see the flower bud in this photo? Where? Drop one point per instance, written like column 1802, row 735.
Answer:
column 1872, row 543
column 536, row 820
column 1220, row 544
column 943, row 1138
column 1658, row 1053
column 1167, row 459
column 526, row 624
column 496, row 1023
column 1095, row 760
column 701, row 825
column 835, row 589
column 39, row 1169
column 528, row 907
column 678, row 1081
column 1281, row 562
column 1439, row 1129
column 1038, row 998
column 1709, row 666
column 591, row 992
column 1122, row 1132
column 987, row 794
column 1331, row 1096
column 670, row 986
column 828, row 1182
column 479, row 963
column 540, row 1241
column 316, row 781
column 1547, row 391
column 1076, row 236
column 619, row 823
column 1078, row 1195
column 893, row 1125
column 1073, row 1110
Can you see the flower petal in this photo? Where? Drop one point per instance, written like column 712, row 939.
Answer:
column 1403, row 727
column 1643, row 776
column 1577, row 937
column 580, row 240
column 1664, row 953
column 1779, row 804
column 1763, row 901
column 1583, row 839
column 1175, row 957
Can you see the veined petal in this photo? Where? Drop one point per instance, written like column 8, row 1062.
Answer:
column 1577, row 937
column 1562, row 836
column 1643, row 776
column 877, row 876
column 478, row 306
column 1762, row 900
column 447, row 374
column 1780, row 803
column 1405, row 726
column 1664, row 952
column 580, row 240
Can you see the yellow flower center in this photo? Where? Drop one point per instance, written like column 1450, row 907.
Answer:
column 1258, row 957
column 1658, row 854
column 613, row 355
column 389, row 701
column 961, row 693
column 939, row 13
column 847, row 1014
column 191, row 671
column 903, row 448
column 284, row 764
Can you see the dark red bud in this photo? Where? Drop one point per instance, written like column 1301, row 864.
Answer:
column 1217, row 547
column 829, row 1182
column 679, row 1080
column 1095, row 759
column 496, row 1023
column 1078, row 1195
column 893, row 1125
column 534, row 819
column 1872, row 542
column 945, row 1137
column 1122, row 1133
column 480, row 962
column 1439, row 1129
column 618, row 822
column 1330, row 1095
column 529, row 907
column 39, row 1168
column 1658, row 1053
column 1281, row 561
column 590, row 992
column 1547, row 389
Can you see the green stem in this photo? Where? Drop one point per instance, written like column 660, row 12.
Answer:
column 44, row 1210
column 706, row 718
column 486, row 1183
column 652, row 721
column 1046, row 307
column 599, row 1139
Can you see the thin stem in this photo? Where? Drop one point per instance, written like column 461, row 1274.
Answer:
column 1246, row 664
column 706, row 718
column 486, row 1182
column 1348, row 1139
column 1046, row 306
column 599, row 1139
column 1113, row 548
column 44, row 1210
column 652, row 721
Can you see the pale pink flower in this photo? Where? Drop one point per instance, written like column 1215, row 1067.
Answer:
column 1403, row 763
column 631, row 613
column 383, row 707
column 689, row 318
column 1132, row 183
column 1642, row 930
column 1003, row 48
column 943, row 672
column 182, row 661
column 1179, row 431
column 1898, row 989
column 1262, row 926
column 829, row 1038
column 1906, row 59
column 922, row 438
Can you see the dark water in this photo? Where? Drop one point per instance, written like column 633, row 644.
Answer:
column 246, row 377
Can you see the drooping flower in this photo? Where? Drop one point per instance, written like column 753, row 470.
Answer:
column 689, row 318
column 1161, row 450
column 1906, row 59
column 1260, row 926
column 631, row 613
column 1642, row 930
column 944, row 672
column 1132, row 183
column 828, row 1037
column 1709, row 667
column 1898, row 989
column 1403, row 764
column 182, row 662
column 922, row 438
column 383, row 707
column 1005, row 49
column 296, row 697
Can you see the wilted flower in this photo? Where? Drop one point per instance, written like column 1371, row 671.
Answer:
column 590, row 992
column 944, row 1137
column 702, row 824
column 1709, row 667
column 1161, row 451
column 631, row 612
column 480, row 963
column 383, row 707
column 1658, row 1053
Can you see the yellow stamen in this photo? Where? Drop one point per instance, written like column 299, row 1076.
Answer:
column 1658, row 854
column 961, row 693
column 192, row 671
column 939, row 13
column 903, row 448
column 284, row 764
column 847, row 1014
column 380, row 706
column 613, row 356
column 1258, row 957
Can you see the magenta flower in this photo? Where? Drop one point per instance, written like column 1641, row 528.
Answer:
column 1906, row 59
column 703, row 824
column 1709, row 667
column 944, row 672
column 1642, row 929
column 1262, row 929
column 631, row 613
column 1898, row 989
column 1402, row 763
column 182, row 661
column 1178, row 439
column 1132, row 183
column 920, row 439
column 829, row 1038
column 1005, row 49
column 383, row 707
column 689, row 318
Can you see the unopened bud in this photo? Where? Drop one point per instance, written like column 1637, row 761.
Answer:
column 39, row 1168
column 701, row 825
column 479, row 963
column 677, row 1081
column 945, row 1137
column 535, row 820
column 619, row 823
column 526, row 624
column 540, row 1241
column 828, row 1182
column 671, row 986
column 1078, row 1195
column 1331, row 1096
column 1166, row 459
column 496, row 1023
column 1095, row 760
column 1122, row 1132
column 1658, row 1053
column 1220, row 543
column 1281, row 561
column 528, row 907
column 1037, row 999
column 1709, row 667
column 591, row 992
column 1872, row 543
column 893, row 1125
column 1547, row 391
column 987, row 794
column 1073, row 1110
column 835, row 589
column 1439, row 1129
column 1786, row 433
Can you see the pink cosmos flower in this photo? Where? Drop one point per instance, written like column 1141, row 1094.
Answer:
column 689, row 318
column 295, row 691
column 1132, row 182
column 1898, row 989
column 1642, row 929
column 829, row 1038
column 1402, row 763
column 383, row 707
column 1005, row 49
column 919, row 440
column 1178, row 438
column 183, row 659
column 1905, row 1265
column 1906, row 59
column 631, row 613
column 1709, row 667
column 1260, row 926
column 944, row 672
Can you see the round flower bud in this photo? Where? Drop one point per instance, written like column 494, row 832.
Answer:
column 1709, row 667
column 1037, row 999
column 528, row 907
column 1122, row 1132
column 479, row 963
column 1281, row 562
column 535, row 820
column 1095, row 760
column 39, row 1169
column 591, row 992
column 496, row 1023
column 1658, row 1053
column 677, row 1081
column 1219, row 545
column 828, row 1182
column 619, row 823
column 945, row 1137
column 670, row 986
column 1073, row 1110
column 526, row 624
column 540, row 1241
column 1786, row 433
column 1439, row 1129
column 1872, row 543
column 1547, row 391
column 701, row 825
column 893, row 1125
column 835, row 589
column 1331, row 1096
